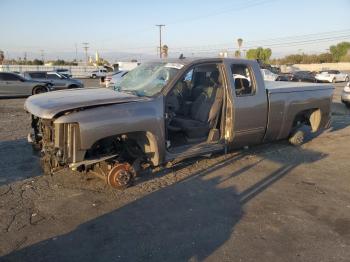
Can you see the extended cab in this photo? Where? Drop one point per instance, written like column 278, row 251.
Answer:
column 166, row 111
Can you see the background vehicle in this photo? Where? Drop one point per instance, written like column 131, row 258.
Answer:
column 332, row 76
column 268, row 75
column 169, row 111
column 12, row 84
column 64, row 72
column 114, row 78
column 345, row 96
column 283, row 77
column 98, row 73
column 303, row 76
column 57, row 80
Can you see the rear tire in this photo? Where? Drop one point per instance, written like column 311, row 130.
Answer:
column 39, row 90
column 333, row 81
column 347, row 79
column 297, row 138
column 93, row 76
column 72, row 86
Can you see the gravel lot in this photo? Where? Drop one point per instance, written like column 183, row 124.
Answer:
column 273, row 202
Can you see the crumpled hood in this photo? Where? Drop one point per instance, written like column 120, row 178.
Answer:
column 47, row 105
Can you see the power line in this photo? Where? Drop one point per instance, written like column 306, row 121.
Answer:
column 249, row 4
column 274, row 40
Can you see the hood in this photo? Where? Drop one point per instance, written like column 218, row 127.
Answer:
column 47, row 105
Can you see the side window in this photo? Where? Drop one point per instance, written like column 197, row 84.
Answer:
column 53, row 76
column 38, row 75
column 188, row 76
column 10, row 77
column 243, row 79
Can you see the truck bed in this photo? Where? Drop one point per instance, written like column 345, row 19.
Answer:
column 287, row 99
column 287, row 87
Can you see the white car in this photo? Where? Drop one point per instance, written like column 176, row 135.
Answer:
column 112, row 79
column 98, row 73
column 345, row 96
column 268, row 75
column 332, row 76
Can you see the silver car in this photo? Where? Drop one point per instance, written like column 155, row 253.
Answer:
column 12, row 84
column 57, row 80
column 345, row 96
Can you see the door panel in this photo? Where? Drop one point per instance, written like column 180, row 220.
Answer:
column 250, row 103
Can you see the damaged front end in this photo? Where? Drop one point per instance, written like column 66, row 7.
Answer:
column 58, row 143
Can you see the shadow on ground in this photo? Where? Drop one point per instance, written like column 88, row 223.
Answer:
column 18, row 161
column 186, row 221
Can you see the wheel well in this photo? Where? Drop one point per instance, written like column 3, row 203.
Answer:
column 132, row 145
column 38, row 86
column 310, row 117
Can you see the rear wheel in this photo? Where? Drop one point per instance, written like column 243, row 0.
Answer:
column 72, row 86
column 297, row 138
column 93, row 76
column 347, row 79
column 39, row 90
column 333, row 80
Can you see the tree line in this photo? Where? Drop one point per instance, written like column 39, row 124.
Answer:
column 337, row 53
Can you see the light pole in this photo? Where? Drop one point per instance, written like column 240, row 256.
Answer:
column 42, row 55
column 160, row 40
column 86, row 47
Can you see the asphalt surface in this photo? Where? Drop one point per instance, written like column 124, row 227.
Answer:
column 273, row 202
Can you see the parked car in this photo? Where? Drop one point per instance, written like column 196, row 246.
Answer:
column 268, row 75
column 168, row 111
column 98, row 73
column 345, row 96
column 57, row 80
column 283, row 77
column 114, row 78
column 332, row 76
column 64, row 72
column 303, row 76
column 12, row 84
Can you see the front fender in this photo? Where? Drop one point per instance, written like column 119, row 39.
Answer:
column 105, row 121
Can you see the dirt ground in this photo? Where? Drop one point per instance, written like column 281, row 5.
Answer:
column 273, row 202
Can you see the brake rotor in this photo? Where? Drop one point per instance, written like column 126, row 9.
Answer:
column 120, row 176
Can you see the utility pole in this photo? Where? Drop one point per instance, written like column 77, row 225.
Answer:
column 42, row 55
column 86, row 47
column 76, row 52
column 160, row 40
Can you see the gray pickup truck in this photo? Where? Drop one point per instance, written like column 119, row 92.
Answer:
column 166, row 111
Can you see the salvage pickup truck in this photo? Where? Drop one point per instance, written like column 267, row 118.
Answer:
column 166, row 111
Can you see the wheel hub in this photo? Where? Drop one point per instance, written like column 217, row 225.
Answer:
column 120, row 176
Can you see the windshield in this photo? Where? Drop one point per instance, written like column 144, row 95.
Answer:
column 148, row 79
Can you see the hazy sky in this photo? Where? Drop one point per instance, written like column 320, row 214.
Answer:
column 192, row 26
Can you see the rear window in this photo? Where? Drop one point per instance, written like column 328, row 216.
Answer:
column 243, row 79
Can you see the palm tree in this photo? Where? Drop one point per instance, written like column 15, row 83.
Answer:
column 2, row 57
